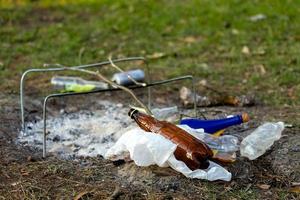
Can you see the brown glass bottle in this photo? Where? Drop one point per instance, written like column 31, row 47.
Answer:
column 193, row 152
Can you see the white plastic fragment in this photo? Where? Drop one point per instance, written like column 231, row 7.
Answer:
column 147, row 148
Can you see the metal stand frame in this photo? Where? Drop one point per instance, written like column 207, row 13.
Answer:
column 148, row 85
column 22, row 82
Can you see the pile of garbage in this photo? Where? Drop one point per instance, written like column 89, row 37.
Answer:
column 195, row 147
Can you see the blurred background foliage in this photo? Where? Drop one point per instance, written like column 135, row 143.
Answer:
column 236, row 46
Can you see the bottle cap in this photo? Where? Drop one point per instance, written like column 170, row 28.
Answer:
column 245, row 117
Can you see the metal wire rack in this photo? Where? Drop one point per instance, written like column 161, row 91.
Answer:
column 148, row 85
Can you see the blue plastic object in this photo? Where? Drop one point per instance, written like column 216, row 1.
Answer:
column 213, row 126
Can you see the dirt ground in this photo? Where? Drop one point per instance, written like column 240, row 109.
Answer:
column 25, row 175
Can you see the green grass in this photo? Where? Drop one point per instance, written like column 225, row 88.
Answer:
column 203, row 38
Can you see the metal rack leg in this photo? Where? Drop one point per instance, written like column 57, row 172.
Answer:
column 98, row 91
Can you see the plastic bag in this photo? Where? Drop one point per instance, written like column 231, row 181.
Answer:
column 146, row 148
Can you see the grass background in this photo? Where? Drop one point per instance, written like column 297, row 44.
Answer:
column 213, row 40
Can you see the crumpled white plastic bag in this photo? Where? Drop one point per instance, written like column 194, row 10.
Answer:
column 146, row 148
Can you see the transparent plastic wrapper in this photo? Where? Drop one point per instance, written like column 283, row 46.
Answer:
column 225, row 143
column 146, row 148
column 261, row 139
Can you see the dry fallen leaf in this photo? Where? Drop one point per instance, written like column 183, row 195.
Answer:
column 229, row 100
column 295, row 189
column 140, row 62
column 260, row 69
column 245, row 50
column 24, row 172
column 291, row 93
column 190, row 39
column 203, row 82
column 15, row 183
column 263, row 186
column 204, row 66
column 260, row 51
column 156, row 55
column 235, row 32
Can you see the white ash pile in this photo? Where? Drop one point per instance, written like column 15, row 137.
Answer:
column 86, row 133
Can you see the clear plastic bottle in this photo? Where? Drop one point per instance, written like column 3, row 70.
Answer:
column 163, row 113
column 76, row 84
column 224, row 143
column 262, row 138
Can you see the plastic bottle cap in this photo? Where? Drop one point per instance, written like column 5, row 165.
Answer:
column 245, row 117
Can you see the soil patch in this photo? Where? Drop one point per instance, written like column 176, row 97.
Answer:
column 24, row 174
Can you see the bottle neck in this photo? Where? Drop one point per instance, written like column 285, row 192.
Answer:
column 146, row 122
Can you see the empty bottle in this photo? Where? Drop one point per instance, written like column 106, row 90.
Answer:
column 262, row 138
column 76, row 84
column 213, row 126
column 224, row 143
column 193, row 152
column 123, row 79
